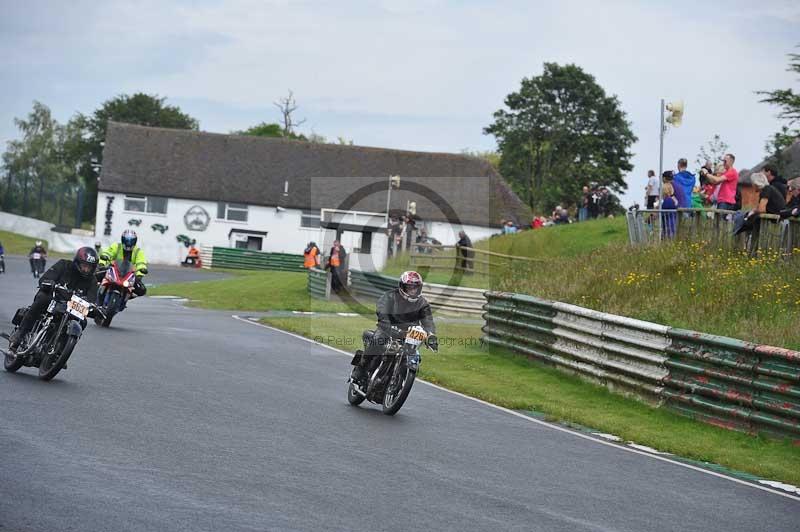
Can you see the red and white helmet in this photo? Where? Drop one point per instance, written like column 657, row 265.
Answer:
column 410, row 286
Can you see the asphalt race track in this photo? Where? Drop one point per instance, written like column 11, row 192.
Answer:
column 185, row 419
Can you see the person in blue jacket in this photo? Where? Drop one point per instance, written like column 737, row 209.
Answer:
column 686, row 181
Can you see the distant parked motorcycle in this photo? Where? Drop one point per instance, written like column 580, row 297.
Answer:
column 115, row 290
column 390, row 381
column 53, row 337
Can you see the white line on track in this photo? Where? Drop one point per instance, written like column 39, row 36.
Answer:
column 555, row 427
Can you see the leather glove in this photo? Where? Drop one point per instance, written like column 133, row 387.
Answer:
column 433, row 342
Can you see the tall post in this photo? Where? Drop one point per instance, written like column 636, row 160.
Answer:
column 660, row 150
column 388, row 200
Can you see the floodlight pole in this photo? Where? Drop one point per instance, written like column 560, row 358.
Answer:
column 388, row 200
column 661, row 130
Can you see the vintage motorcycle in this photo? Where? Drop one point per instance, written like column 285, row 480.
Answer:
column 115, row 290
column 53, row 337
column 390, row 382
column 37, row 263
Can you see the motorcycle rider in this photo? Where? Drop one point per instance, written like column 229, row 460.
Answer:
column 2, row 260
column 397, row 310
column 40, row 249
column 75, row 274
column 126, row 250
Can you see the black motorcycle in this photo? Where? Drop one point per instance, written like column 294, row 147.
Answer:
column 390, row 381
column 53, row 337
column 38, row 262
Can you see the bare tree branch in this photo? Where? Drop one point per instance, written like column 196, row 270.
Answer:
column 287, row 106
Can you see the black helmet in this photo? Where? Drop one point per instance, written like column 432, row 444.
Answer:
column 85, row 261
column 129, row 239
column 410, row 286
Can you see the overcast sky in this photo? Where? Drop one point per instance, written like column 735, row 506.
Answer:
column 413, row 74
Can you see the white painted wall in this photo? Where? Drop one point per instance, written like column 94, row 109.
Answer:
column 31, row 227
column 284, row 233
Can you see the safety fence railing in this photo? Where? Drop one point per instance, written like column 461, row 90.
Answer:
column 372, row 285
column 319, row 283
column 768, row 232
column 463, row 259
column 246, row 259
column 722, row 381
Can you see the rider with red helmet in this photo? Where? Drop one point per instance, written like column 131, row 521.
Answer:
column 397, row 310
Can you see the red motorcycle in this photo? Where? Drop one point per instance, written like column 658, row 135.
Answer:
column 115, row 290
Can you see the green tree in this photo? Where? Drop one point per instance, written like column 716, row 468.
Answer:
column 269, row 130
column 41, row 165
column 788, row 102
column 141, row 109
column 561, row 131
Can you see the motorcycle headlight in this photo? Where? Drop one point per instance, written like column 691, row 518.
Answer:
column 126, row 284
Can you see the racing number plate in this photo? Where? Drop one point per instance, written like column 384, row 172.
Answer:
column 416, row 336
column 78, row 307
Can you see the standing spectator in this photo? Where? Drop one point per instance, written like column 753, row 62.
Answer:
column 537, row 222
column 684, row 180
column 651, row 189
column 771, row 171
column 594, row 199
column 583, row 206
column 466, row 254
column 668, row 203
column 677, row 191
column 311, row 256
column 337, row 263
column 410, row 227
column 728, row 181
column 603, row 203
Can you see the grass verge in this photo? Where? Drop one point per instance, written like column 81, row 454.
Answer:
column 15, row 244
column 516, row 382
column 252, row 290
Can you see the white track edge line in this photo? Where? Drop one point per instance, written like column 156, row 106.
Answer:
column 547, row 424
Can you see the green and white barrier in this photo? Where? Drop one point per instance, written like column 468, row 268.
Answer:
column 723, row 381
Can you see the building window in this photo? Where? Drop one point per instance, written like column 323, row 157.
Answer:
column 150, row 204
column 235, row 212
column 310, row 218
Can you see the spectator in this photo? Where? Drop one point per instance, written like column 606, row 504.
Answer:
column 509, row 228
column 678, row 192
column 793, row 205
column 698, row 200
column 594, row 203
column 683, row 180
column 561, row 216
column 603, row 203
column 770, row 201
column 706, row 169
column 668, row 203
column 651, row 189
column 311, row 256
column 728, row 181
column 537, row 222
column 776, row 181
column 583, row 209
column 337, row 263
column 466, row 254
column 410, row 227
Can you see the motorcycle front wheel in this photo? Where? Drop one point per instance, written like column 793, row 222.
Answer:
column 54, row 361
column 111, row 308
column 398, row 389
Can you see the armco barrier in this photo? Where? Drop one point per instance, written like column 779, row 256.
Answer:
column 617, row 351
column 722, row 381
column 319, row 284
column 245, row 259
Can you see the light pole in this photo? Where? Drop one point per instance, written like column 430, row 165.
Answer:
column 675, row 118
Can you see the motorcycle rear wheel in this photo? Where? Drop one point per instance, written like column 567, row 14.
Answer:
column 53, row 363
column 396, row 394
